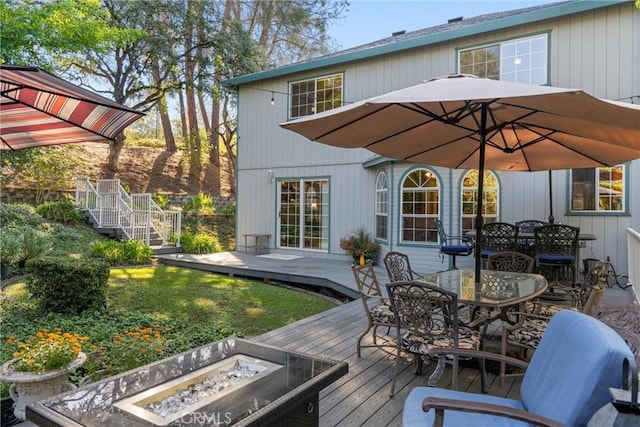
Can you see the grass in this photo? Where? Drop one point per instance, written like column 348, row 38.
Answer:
column 191, row 307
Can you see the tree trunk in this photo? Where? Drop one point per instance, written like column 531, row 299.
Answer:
column 115, row 147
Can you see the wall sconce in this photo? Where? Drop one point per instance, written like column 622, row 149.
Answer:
column 270, row 176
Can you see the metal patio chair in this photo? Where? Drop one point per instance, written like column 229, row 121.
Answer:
column 453, row 246
column 427, row 318
column 398, row 267
column 376, row 306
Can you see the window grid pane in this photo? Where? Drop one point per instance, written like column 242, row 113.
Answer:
column 316, row 95
column 469, row 197
column 608, row 182
column 420, row 206
column 382, row 206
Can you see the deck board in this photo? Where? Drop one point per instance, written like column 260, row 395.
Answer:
column 360, row 398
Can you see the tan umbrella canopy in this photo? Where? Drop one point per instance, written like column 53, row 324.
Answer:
column 38, row 108
column 462, row 121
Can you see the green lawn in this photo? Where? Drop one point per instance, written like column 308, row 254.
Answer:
column 188, row 307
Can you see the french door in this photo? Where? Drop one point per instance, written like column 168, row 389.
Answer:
column 304, row 214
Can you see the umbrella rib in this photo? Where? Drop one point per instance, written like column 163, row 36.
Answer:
column 349, row 123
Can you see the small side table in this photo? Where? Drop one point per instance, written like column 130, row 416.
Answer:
column 260, row 243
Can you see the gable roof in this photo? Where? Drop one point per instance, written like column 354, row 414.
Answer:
column 437, row 34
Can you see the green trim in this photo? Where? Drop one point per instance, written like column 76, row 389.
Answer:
column 445, row 36
column 377, row 161
column 626, row 190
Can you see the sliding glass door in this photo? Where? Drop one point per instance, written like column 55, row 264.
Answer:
column 304, row 214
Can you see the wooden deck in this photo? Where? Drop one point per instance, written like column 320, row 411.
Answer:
column 360, row 398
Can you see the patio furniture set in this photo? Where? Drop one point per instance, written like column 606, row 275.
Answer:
column 445, row 317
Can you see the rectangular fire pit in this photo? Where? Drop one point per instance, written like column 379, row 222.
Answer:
column 230, row 382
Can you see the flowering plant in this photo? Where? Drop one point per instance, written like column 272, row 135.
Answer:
column 46, row 350
column 360, row 242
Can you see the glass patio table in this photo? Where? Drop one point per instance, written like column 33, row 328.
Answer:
column 497, row 290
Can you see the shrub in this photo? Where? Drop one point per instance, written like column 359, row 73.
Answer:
column 202, row 204
column 127, row 252
column 162, row 200
column 19, row 214
column 199, row 243
column 68, row 285
column 33, row 243
column 62, row 211
column 360, row 242
column 9, row 248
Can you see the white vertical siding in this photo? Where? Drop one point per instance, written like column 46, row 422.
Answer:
column 598, row 51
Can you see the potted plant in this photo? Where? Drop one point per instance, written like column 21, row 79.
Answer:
column 40, row 367
column 360, row 243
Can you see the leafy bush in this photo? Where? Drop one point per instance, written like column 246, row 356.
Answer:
column 68, row 285
column 127, row 252
column 360, row 243
column 62, row 211
column 33, row 243
column 9, row 248
column 199, row 243
column 19, row 214
column 162, row 200
column 202, row 204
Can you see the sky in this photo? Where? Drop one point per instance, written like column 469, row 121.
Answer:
column 370, row 20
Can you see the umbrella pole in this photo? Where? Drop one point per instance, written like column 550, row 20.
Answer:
column 551, row 218
column 479, row 219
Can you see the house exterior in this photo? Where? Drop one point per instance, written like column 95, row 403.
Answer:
column 308, row 196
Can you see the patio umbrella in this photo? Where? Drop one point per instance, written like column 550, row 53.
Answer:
column 38, row 108
column 462, row 121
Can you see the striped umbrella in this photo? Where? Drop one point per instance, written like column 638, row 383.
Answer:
column 38, row 108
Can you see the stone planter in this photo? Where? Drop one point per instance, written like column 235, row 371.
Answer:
column 30, row 387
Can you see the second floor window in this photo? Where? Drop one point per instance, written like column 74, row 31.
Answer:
column 522, row 60
column 598, row 189
column 312, row 96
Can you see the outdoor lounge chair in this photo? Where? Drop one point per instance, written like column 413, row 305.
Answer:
column 567, row 381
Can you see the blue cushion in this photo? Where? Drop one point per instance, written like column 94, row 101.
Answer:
column 486, row 252
column 456, row 249
column 578, row 359
column 556, row 259
column 413, row 415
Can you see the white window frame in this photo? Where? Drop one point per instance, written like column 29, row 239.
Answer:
column 522, row 60
column 470, row 217
column 382, row 206
column 422, row 223
column 603, row 193
column 321, row 97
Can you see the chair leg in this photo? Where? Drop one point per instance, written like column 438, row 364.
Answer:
column 360, row 340
column 395, row 372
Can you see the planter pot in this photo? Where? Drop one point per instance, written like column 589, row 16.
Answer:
column 30, row 387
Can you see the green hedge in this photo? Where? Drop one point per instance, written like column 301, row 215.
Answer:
column 68, row 285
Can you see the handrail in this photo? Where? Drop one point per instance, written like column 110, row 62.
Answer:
column 137, row 216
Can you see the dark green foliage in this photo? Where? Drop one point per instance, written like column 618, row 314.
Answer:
column 127, row 252
column 199, row 243
column 63, row 211
column 68, row 285
column 19, row 214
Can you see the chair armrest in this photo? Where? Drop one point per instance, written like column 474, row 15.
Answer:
column 478, row 354
column 467, row 241
column 441, row 404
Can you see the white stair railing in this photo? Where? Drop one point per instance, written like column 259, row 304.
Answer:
column 136, row 215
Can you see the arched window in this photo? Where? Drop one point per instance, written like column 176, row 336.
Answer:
column 420, row 206
column 469, row 197
column 382, row 206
